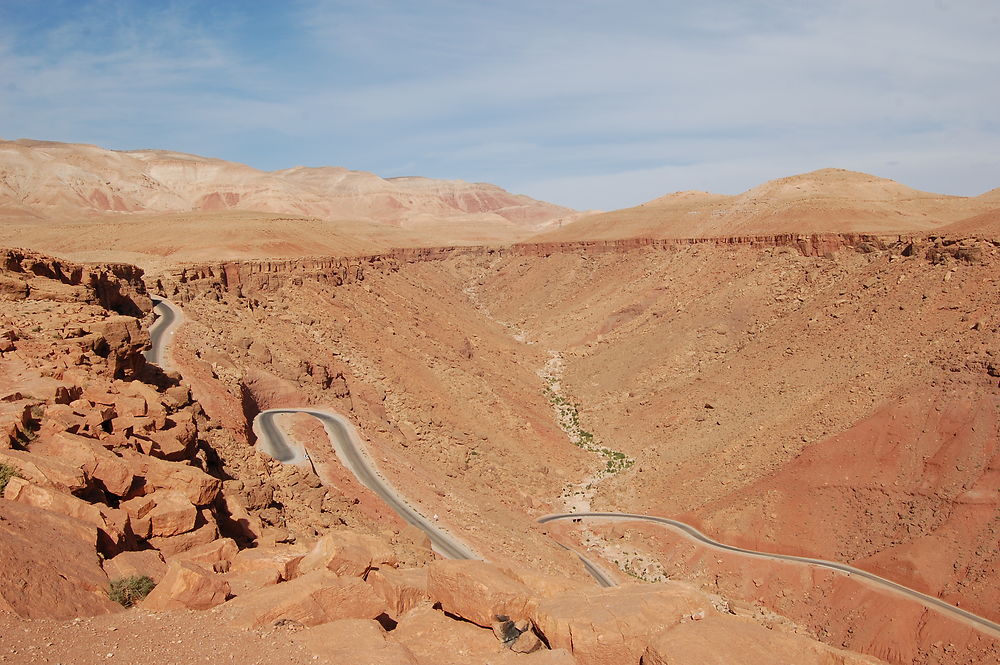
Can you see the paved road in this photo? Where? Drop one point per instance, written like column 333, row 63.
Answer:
column 348, row 448
column 595, row 571
column 692, row 533
column 162, row 330
column 273, row 442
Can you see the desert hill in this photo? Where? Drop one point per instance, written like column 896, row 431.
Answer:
column 62, row 182
column 824, row 201
column 986, row 225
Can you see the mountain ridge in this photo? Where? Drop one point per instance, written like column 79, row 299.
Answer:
column 52, row 180
column 823, row 201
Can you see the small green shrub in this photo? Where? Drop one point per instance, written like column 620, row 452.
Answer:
column 6, row 473
column 127, row 591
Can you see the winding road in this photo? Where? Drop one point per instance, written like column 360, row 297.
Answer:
column 349, row 450
column 697, row 536
column 343, row 438
column 168, row 317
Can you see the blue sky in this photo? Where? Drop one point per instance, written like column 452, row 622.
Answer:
column 585, row 103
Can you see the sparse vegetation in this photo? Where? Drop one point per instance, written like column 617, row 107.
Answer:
column 568, row 417
column 6, row 473
column 127, row 591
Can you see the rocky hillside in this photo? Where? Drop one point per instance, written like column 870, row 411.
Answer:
column 111, row 470
column 825, row 201
column 444, row 358
column 841, row 406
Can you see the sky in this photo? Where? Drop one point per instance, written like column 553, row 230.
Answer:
column 590, row 104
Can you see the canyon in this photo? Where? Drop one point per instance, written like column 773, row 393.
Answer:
column 810, row 368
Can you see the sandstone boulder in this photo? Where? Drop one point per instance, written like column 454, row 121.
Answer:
column 45, row 471
column 58, row 573
column 235, row 519
column 90, row 457
column 216, row 555
column 146, row 563
column 250, row 580
column 145, row 401
column 172, row 513
column 179, row 440
column 354, row 642
column 21, row 491
column 15, row 418
column 728, row 639
column 600, row 626
column 402, row 588
column 205, row 531
column 478, row 591
column 312, row 599
column 61, row 417
column 348, row 553
column 436, row 639
column 186, row 586
column 177, row 397
column 200, row 488
column 283, row 559
column 139, row 507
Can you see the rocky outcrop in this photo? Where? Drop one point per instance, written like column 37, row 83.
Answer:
column 478, row 591
column 117, row 287
column 728, row 639
column 615, row 625
column 50, row 565
column 187, row 586
column 402, row 588
column 250, row 278
column 310, row 600
column 109, row 464
column 806, row 244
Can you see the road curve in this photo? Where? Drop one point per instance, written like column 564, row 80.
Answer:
column 346, row 444
column 162, row 330
column 689, row 531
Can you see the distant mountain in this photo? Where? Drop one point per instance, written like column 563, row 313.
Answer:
column 824, row 201
column 61, row 181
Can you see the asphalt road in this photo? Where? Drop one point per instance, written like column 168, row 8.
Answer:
column 347, row 446
column 692, row 533
column 161, row 330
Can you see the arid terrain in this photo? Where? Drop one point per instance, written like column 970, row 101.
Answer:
column 809, row 368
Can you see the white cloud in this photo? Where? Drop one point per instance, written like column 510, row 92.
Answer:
column 547, row 97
